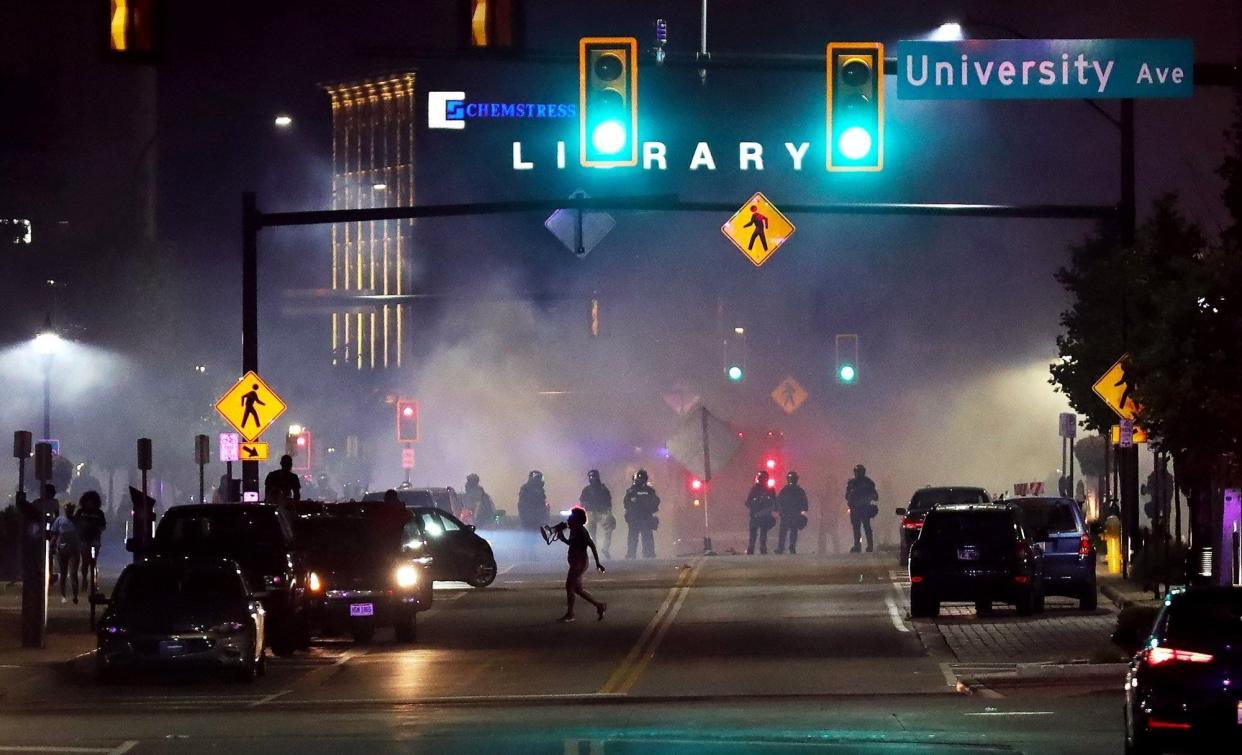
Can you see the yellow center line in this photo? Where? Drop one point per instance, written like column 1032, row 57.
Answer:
column 627, row 674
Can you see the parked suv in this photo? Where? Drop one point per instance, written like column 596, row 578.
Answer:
column 259, row 538
column 1058, row 526
column 367, row 568
column 975, row 552
column 923, row 501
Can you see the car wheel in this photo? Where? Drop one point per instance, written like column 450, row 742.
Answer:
column 362, row 632
column 250, row 670
column 1089, row 599
column 1026, row 603
column 484, row 572
column 407, row 631
column 923, row 606
column 284, row 645
column 1039, row 602
column 983, row 607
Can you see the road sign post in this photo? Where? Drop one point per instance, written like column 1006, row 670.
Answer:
column 202, row 457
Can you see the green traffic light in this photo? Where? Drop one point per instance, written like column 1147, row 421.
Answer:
column 847, row 373
column 734, row 372
column 854, row 143
column 609, row 137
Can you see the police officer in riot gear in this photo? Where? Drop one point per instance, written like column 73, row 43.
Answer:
column 792, row 504
column 533, row 502
column 596, row 498
column 761, row 505
column 641, row 504
column 860, row 496
column 475, row 498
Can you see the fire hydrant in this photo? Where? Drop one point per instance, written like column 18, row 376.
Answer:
column 1112, row 539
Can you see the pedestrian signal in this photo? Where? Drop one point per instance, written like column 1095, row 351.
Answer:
column 608, row 102
column 847, row 359
column 855, row 106
column 407, row 420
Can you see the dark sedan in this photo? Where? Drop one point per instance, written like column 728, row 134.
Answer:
column 180, row 613
column 458, row 553
column 1184, row 686
column 923, row 501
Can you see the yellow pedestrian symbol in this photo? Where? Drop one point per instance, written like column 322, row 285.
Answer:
column 758, row 229
column 1117, row 391
column 789, row 395
column 250, row 406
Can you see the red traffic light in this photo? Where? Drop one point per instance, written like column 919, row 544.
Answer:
column 771, row 482
column 770, row 463
column 407, row 411
column 407, row 420
column 696, row 484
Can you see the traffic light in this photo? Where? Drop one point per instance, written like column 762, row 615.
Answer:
column 855, row 106
column 608, row 102
column 407, row 420
column 847, row 359
column 733, row 356
column 735, row 372
column 298, row 445
column 135, row 29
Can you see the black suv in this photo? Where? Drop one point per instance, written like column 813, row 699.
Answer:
column 367, row 568
column 259, row 538
column 922, row 502
column 975, row 552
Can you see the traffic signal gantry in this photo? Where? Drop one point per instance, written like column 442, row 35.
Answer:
column 608, row 102
column 855, row 88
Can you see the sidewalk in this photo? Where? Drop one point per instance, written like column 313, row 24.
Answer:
column 68, row 636
column 1124, row 593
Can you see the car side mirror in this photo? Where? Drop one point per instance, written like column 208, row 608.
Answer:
column 901, row 512
column 470, row 527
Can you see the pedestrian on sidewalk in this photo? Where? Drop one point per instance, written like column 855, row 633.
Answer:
column 67, row 546
column 579, row 542
column 91, row 523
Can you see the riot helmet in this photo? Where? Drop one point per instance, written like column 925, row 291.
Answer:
column 640, row 477
column 791, row 477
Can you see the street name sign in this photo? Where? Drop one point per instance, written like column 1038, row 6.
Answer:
column 758, row 229
column 1115, row 389
column 230, row 447
column 1045, row 69
column 250, row 406
column 253, row 451
column 789, row 395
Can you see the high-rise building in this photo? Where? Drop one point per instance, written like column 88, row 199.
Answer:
column 372, row 166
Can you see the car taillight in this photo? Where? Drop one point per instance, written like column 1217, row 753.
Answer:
column 1023, row 551
column 1084, row 546
column 314, row 583
column 1158, row 656
column 912, row 524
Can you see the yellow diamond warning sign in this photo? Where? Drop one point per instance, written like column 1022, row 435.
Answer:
column 250, row 407
column 789, row 395
column 758, row 229
column 1117, row 391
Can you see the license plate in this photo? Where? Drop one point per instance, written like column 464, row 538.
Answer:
column 172, row 647
column 967, row 554
column 361, row 609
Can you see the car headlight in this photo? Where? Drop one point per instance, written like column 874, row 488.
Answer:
column 314, row 583
column 407, row 576
column 228, row 627
column 112, row 630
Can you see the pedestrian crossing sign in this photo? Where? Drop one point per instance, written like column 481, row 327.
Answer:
column 1117, row 391
column 758, row 229
column 250, row 406
column 789, row 395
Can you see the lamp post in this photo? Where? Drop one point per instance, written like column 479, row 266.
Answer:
column 47, row 343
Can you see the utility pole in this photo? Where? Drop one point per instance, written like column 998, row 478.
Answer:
column 1127, row 457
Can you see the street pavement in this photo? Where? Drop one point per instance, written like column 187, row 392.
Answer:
column 723, row 654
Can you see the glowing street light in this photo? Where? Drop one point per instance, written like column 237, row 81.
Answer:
column 47, row 343
column 949, row 30
column 283, row 121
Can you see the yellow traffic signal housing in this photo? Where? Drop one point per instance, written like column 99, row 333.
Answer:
column 608, row 102
column 855, row 85
column 135, row 29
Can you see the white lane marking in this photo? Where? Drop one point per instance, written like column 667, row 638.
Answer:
column 894, row 613
column 950, row 678
column 120, row 749
column 1012, row 713
column 123, row 747
column 270, row 698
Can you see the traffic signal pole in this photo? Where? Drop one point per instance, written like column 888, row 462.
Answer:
column 1127, row 458
column 251, row 223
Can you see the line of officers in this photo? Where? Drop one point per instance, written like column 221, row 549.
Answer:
column 641, row 504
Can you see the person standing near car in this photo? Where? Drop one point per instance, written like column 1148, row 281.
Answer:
column 475, row 498
column 596, row 498
column 761, row 505
column 283, row 483
column 641, row 504
column 792, row 504
column 860, row 496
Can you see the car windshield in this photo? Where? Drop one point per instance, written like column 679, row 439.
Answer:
column 925, row 499
column 1056, row 516
column 156, row 583
column 1212, row 617
column 972, row 526
column 338, row 541
column 220, row 530
column 407, row 497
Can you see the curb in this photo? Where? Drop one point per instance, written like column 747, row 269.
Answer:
column 1122, row 599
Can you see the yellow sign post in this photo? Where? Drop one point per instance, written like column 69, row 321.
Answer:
column 789, row 395
column 1117, row 391
column 758, row 229
column 250, row 407
column 253, row 451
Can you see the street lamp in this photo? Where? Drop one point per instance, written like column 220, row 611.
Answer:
column 47, row 343
column 283, row 121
